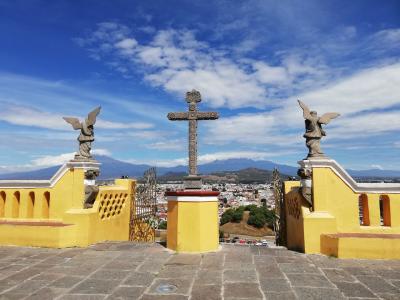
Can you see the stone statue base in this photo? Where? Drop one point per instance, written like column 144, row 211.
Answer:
column 78, row 158
column 192, row 182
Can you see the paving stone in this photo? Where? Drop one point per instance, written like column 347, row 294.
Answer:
column 23, row 275
column 149, row 267
column 139, row 279
column 274, row 285
column 82, row 297
column 265, row 260
column 184, row 259
column 388, row 274
column 238, row 258
column 242, row 290
column 388, row 296
column 109, row 274
column 208, row 277
column 122, row 265
column 338, row 275
column 11, row 296
column 95, row 286
column 280, row 296
column 209, row 292
column 236, row 266
column 212, row 261
column 298, row 268
column 174, row 271
column 164, row 297
column 47, row 277
column 358, row 271
column 127, row 292
column 291, row 259
column 46, row 293
column 309, row 280
column 318, row 293
column 269, row 272
column 66, row 282
column 377, row 284
column 182, row 285
column 28, row 287
column 354, row 290
column 395, row 283
column 240, row 276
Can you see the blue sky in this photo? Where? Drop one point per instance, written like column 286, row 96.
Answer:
column 250, row 60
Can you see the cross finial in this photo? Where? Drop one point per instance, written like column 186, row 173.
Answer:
column 193, row 96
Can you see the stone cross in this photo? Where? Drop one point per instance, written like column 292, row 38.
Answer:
column 192, row 98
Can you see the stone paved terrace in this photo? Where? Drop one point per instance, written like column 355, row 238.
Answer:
column 134, row 271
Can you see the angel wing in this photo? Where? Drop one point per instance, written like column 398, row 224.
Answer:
column 306, row 110
column 326, row 118
column 74, row 122
column 91, row 119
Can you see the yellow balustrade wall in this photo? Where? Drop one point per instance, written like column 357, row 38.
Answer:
column 53, row 216
column 348, row 219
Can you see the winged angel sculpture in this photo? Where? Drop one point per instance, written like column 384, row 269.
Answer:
column 314, row 131
column 86, row 136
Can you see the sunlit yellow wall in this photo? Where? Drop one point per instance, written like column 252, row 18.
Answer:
column 336, row 210
column 64, row 222
column 193, row 226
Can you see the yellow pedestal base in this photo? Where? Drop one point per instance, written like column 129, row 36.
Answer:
column 193, row 221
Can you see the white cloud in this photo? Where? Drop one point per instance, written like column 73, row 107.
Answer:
column 28, row 116
column 379, row 167
column 52, row 160
column 176, row 144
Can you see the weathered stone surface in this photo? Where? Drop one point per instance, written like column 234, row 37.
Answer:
column 309, row 280
column 88, row 274
column 240, row 276
column 95, row 286
column 127, row 292
column 277, row 285
column 298, row 268
column 354, row 290
column 208, row 277
column 338, row 275
column 378, row 285
column 139, row 279
column 184, row 259
column 209, row 292
column 319, row 293
column 242, row 290
column 280, row 296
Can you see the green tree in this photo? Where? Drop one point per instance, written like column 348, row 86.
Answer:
column 227, row 216
column 162, row 225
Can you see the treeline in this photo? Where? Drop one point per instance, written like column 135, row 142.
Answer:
column 258, row 216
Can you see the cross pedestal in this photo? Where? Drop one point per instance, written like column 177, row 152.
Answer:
column 193, row 221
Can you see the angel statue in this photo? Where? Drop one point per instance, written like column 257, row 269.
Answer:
column 86, row 137
column 314, row 131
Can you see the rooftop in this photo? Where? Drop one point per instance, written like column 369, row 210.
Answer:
column 149, row 271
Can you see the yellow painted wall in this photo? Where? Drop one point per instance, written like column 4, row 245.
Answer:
column 193, row 226
column 336, row 210
column 108, row 219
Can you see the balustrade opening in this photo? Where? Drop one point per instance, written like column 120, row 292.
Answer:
column 363, row 210
column 15, row 205
column 3, row 197
column 30, row 205
column 384, row 208
column 46, row 205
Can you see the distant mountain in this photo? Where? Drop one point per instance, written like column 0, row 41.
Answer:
column 112, row 168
